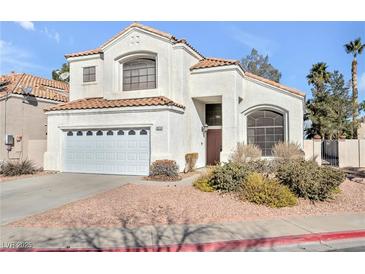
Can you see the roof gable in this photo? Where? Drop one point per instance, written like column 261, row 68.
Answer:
column 172, row 39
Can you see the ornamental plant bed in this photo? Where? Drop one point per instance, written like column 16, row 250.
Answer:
column 163, row 178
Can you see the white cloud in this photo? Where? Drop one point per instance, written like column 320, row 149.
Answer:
column 362, row 82
column 15, row 59
column 52, row 35
column 27, row 25
column 263, row 45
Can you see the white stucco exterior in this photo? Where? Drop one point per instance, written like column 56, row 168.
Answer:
column 181, row 128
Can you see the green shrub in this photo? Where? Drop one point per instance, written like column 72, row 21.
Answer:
column 264, row 167
column 263, row 191
column 228, row 177
column 203, row 182
column 18, row 168
column 245, row 153
column 308, row 180
column 165, row 168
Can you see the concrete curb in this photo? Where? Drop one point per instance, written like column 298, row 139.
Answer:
column 216, row 246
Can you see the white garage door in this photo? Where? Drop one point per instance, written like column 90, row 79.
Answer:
column 114, row 151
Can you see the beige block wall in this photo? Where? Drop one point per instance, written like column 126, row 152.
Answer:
column 312, row 148
column 36, row 149
column 351, row 153
column 362, row 153
column 26, row 120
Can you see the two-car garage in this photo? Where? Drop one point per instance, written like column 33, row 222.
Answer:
column 109, row 151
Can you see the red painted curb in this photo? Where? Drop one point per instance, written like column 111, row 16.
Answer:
column 214, row 246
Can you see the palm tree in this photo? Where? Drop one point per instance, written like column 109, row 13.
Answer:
column 318, row 76
column 354, row 47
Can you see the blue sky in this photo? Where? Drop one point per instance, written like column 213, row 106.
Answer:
column 39, row 47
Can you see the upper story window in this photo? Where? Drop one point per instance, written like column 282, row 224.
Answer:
column 89, row 74
column 139, row 74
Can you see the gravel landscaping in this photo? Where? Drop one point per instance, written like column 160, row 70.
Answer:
column 136, row 205
column 12, row 178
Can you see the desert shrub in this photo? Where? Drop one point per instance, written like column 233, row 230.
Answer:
column 264, row 167
column 190, row 161
column 244, row 153
column 308, row 180
column 263, row 191
column 166, row 168
column 203, row 182
column 287, row 151
column 228, row 177
column 16, row 168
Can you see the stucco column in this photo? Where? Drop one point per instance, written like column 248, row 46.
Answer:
column 229, row 125
column 317, row 149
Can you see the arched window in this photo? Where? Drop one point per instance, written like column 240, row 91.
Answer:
column 70, row 133
column 132, row 132
column 120, row 132
column 143, row 132
column 109, row 132
column 265, row 128
column 139, row 74
column 89, row 133
column 79, row 133
column 99, row 133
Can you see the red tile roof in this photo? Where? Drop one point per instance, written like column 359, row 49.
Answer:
column 134, row 25
column 214, row 62
column 97, row 103
column 41, row 87
column 273, row 83
column 84, row 53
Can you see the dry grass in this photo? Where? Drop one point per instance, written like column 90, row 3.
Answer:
column 244, row 153
column 288, row 151
column 184, row 204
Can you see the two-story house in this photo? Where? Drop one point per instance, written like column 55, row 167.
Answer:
column 146, row 95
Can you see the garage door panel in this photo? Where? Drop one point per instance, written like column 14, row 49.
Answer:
column 121, row 151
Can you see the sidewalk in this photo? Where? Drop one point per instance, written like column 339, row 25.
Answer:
column 153, row 238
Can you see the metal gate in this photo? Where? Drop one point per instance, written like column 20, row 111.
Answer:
column 329, row 152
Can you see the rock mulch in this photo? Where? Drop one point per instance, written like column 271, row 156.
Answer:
column 12, row 178
column 137, row 205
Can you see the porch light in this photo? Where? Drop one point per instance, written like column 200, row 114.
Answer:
column 204, row 128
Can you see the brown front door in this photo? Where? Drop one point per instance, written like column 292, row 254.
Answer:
column 214, row 145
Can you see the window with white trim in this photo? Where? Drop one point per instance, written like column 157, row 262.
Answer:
column 139, row 74
column 89, row 74
column 265, row 128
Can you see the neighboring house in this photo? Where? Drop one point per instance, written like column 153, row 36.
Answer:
column 361, row 130
column 23, row 123
column 146, row 95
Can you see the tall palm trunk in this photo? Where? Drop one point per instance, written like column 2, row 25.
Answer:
column 355, row 108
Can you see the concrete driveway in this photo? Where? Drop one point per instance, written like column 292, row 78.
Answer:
column 28, row 196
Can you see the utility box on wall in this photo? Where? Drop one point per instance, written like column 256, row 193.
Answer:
column 9, row 140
